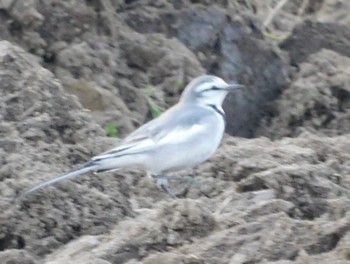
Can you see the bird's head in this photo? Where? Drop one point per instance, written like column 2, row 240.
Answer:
column 207, row 90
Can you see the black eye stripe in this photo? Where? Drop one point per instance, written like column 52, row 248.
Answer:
column 213, row 88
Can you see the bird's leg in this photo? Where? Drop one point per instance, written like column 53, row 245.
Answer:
column 162, row 181
column 188, row 182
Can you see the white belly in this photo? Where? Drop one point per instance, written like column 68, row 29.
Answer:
column 188, row 153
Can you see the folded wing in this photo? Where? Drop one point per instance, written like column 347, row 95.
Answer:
column 171, row 128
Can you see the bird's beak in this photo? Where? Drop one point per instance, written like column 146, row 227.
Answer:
column 233, row 86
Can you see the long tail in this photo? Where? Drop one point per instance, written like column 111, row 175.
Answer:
column 89, row 166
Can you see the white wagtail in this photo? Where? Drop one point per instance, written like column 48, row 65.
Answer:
column 185, row 135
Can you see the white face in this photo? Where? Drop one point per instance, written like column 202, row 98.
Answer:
column 211, row 93
column 207, row 89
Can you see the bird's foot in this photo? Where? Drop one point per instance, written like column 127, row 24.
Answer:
column 162, row 182
column 187, row 182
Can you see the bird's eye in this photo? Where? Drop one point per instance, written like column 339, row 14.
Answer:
column 203, row 92
column 212, row 88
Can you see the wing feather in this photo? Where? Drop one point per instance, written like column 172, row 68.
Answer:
column 171, row 127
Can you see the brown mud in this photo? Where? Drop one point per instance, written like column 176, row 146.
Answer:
column 278, row 189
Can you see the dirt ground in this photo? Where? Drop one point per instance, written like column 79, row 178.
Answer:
column 278, row 189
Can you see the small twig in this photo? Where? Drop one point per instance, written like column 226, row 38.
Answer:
column 337, row 187
column 223, row 205
column 274, row 12
column 303, row 7
column 28, row 112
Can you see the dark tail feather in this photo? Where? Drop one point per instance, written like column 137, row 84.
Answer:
column 75, row 172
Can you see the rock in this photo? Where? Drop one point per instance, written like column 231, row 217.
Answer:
column 14, row 256
column 167, row 227
column 45, row 132
column 237, row 52
column 276, row 200
column 334, row 12
column 318, row 99
column 310, row 37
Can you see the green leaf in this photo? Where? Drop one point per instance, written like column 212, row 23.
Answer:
column 180, row 85
column 155, row 109
column 274, row 37
column 111, row 130
column 150, row 90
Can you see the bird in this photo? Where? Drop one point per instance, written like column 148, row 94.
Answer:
column 185, row 135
